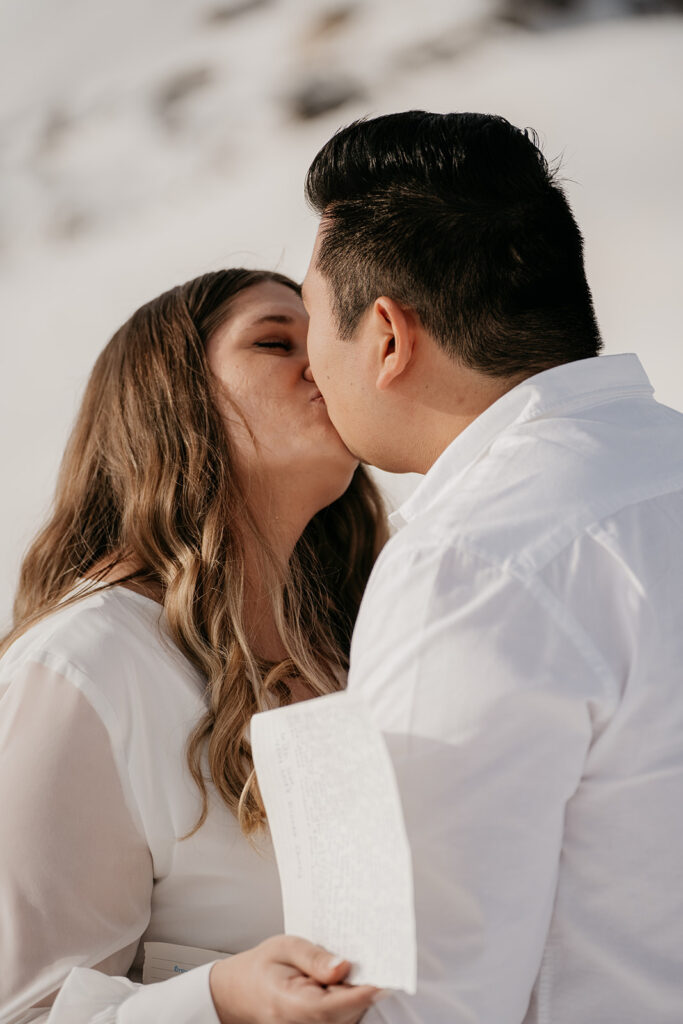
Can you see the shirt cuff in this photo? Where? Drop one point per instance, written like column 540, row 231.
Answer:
column 182, row 1000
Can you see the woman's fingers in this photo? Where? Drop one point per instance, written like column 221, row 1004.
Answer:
column 290, row 980
column 319, row 964
column 311, row 988
column 337, row 1004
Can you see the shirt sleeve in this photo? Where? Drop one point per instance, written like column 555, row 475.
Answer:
column 485, row 693
column 75, row 869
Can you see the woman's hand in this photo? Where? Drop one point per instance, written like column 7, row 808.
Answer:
column 286, row 980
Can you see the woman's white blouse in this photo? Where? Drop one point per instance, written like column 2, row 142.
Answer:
column 96, row 706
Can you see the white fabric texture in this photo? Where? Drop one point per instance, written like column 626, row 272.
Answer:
column 96, row 705
column 520, row 645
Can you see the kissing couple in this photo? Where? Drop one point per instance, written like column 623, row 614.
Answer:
column 217, row 548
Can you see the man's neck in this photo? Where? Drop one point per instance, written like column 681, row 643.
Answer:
column 449, row 408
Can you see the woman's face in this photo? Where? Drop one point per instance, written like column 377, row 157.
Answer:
column 259, row 357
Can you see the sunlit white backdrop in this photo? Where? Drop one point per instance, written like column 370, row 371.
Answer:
column 143, row 143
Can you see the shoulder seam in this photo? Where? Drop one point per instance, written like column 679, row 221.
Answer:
column 547, row 603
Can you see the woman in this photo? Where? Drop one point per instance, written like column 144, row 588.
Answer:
column 205, row 559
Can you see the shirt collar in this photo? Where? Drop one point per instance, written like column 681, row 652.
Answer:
column 569, row 387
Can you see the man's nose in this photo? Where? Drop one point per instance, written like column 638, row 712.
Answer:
column 308, row 375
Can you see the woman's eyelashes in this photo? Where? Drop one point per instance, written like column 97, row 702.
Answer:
column 280, row 343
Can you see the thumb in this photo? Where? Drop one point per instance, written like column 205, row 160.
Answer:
column 318, row 963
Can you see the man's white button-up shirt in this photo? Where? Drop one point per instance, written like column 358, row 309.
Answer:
column 520, row 644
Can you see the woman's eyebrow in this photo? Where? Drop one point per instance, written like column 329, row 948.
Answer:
column 275, row 318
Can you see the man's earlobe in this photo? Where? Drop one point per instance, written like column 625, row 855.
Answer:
column 396, row 343
column 388, row 368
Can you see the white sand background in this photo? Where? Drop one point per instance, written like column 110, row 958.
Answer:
column 142, row 144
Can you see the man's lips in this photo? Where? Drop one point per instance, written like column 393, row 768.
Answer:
column 317, row 397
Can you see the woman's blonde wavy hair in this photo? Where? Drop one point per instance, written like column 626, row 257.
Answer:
column 148, row 476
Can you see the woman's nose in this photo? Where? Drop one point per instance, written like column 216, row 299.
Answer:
column 308, row 375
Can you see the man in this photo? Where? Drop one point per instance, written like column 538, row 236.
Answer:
column 519, row 642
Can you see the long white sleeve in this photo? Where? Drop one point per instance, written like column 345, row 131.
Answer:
column 75, row 869
column 89, row 997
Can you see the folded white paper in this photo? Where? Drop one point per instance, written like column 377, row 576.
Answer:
column 166, row 960
column 337, row 826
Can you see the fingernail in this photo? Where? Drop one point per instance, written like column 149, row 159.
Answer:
column 335, row 961
column 382, row 994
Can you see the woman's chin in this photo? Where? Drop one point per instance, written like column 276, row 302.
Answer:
column 348, row 462
column 339, row 442
column 333, row 484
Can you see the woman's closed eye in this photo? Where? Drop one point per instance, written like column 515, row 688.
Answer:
column 279, row 343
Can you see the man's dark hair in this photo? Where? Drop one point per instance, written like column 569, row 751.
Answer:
column 459, row 218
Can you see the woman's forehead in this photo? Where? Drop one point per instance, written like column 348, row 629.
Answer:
column 267, row 304
column 267, row 300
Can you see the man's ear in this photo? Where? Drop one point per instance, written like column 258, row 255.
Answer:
column 396, row 338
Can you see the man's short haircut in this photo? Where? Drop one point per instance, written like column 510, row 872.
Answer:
column 459, row 218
